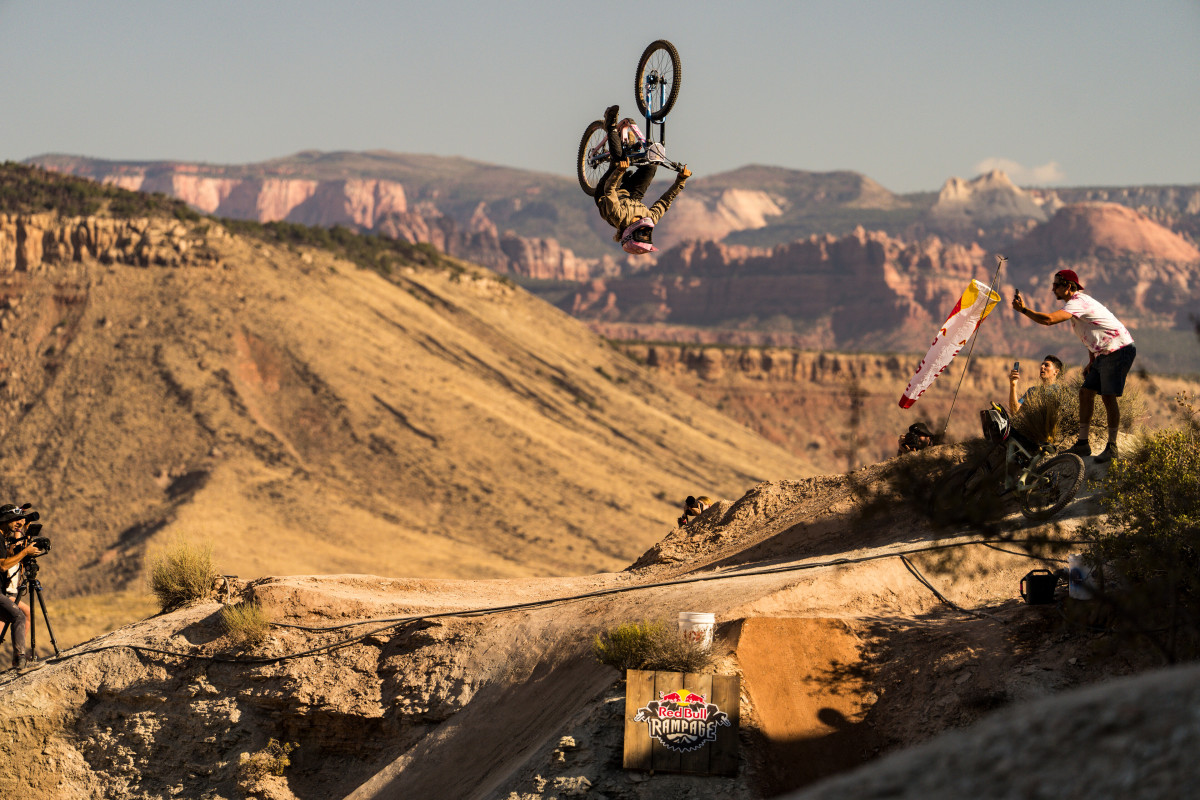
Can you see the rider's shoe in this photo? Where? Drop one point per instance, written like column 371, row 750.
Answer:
column 1110, row 452
column 1081, row 448
column 610, row 116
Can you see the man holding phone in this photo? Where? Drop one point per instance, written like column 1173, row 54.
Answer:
column 1048, row 373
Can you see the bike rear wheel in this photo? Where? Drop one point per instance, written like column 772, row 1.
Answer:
column 593, row 157
column 1054, row 485
column 952, row 500
column 659, row 75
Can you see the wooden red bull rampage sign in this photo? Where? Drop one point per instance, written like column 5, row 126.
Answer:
column 677, row 722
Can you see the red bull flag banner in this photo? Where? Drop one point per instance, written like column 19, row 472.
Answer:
column 972, row 308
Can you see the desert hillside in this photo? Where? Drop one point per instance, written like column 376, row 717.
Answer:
column 856, row 628
column 165, row 376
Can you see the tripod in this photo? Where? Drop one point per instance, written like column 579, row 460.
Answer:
column 31, row 582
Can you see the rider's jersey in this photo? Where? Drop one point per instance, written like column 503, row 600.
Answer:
column 619, row 209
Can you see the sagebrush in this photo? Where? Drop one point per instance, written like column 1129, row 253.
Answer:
column 650, row 645
column 182, row 574
column 1052, row 415
column 245, row 623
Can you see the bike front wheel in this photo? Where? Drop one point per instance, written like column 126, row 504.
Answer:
column 659, row 75
column 1054, row 485
column 594, row 157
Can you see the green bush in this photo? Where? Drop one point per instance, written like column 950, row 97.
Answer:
column 182, row 574
column 1153, row 498
column 31, row 190
column 1153, row 537
column 651, row 646
column 246, row 624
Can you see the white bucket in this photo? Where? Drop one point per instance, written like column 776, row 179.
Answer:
column 1080, row 583
column 697, row 627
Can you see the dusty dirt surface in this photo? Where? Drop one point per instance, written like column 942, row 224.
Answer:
column 416, row 690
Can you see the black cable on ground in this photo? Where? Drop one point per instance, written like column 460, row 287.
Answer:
column 924, row 582
column 398, row 622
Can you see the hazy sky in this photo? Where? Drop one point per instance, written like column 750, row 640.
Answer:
column 1078, row 93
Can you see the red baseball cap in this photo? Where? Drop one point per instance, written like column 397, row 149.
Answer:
column 1069, row 275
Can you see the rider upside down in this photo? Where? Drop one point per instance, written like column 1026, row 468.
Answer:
column 619, row 196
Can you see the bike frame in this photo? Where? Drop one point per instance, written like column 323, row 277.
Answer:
column 654, row 84
column 1018, row 482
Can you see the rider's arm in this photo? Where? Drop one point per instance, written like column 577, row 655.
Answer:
column 611, row 182
column 663, row 203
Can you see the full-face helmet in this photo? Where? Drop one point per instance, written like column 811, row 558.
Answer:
column 636, row 239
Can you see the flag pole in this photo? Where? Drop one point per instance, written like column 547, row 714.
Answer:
column 974, row 336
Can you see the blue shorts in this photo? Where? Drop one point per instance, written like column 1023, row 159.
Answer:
column 1107, row 373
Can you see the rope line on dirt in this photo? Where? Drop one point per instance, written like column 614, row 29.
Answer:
column 925, row 582
column 399, row 622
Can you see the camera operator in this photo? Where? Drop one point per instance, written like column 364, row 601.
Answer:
column 17, row 547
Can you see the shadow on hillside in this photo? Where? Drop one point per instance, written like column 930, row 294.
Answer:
column 205, row 630
column 919, row 676
column 792, row 764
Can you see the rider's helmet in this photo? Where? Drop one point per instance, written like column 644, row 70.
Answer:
column 636, row 238
column 996, row 426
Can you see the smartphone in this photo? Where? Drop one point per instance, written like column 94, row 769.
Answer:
column 1016, row 366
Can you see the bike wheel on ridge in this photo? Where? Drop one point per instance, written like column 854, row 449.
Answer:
column 1055, row 484
column 593, row 159
column 659, row 75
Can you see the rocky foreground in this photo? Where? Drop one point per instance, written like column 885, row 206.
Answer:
column 407, row 688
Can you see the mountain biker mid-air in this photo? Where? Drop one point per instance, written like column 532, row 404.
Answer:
column 619, row 196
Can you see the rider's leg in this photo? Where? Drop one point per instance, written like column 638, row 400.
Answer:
column 608, row 200
column 639, row 182
column 615, row 151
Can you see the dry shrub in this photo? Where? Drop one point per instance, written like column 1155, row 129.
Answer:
column 651, row 646
column 246, row 624
column 1053, row 415
column 271, row 760
column 182, row 574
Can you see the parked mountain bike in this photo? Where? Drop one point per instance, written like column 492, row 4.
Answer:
column 1043, row 482
column 656, row 88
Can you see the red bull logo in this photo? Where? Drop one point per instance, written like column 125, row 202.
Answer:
column 682, row 721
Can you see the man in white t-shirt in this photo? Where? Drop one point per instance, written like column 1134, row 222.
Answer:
column 1110, row 348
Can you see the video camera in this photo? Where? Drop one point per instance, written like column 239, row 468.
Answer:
column 32, row 528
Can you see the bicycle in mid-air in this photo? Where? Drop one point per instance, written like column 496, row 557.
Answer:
column 1043, row 481
column 656, row 88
